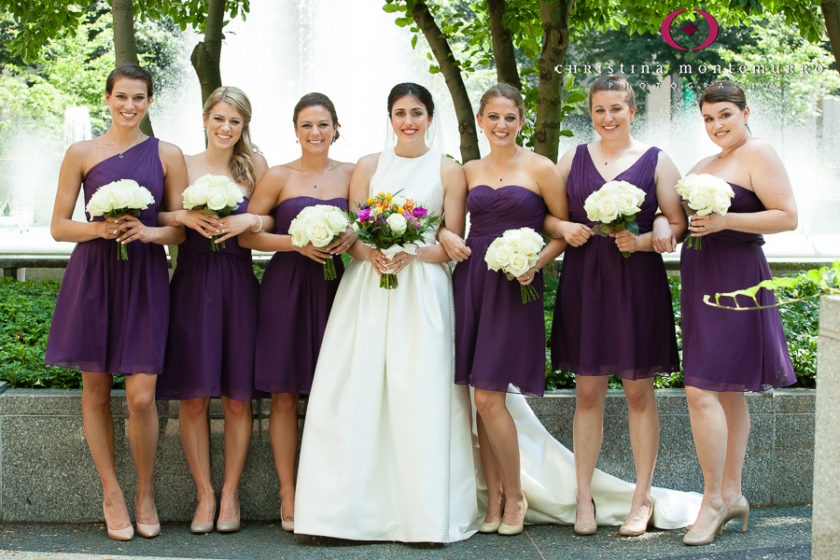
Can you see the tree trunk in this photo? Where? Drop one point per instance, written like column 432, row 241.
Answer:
column 555, row 18
column 506, row 70
column 207, row 54
column 454, row 81
column 125, row 49
column 831, row 14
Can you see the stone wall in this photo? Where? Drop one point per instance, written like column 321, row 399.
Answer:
column 46, row 473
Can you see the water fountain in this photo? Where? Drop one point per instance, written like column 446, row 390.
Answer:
column 353, row 52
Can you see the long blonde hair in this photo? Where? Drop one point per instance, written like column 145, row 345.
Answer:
column 242, row 162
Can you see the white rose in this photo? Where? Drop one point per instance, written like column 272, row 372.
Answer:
column 336, row 220
column 720, row 203
column 525, row 240
column 700, row 199
column 298, row 231
column 519, row 264
column 590, row 205
column 216, row 199
column 318, row 233
column 194, row 196
column 607, row 209
column 626, row 203
column 498, row 255
column 397, row 223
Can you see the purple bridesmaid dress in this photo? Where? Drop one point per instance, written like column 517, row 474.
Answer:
column 613, row 316
column 498, row 339
column 731, row 350
column 295, row 302
column 111, row 316
column 213, row 321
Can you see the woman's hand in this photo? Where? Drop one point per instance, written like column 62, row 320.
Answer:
column 233, row 225
column 528, row 277
column 699, row 226
column 319, row 255
column 342, row 242
column 207, row 225
column 663, row 239
column 134, row 230
column 575, row 234
column 400, row 261
column 455, row 247
column 625, row 240
column 109, row 228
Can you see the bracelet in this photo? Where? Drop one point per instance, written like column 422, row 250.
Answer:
column 259, row 228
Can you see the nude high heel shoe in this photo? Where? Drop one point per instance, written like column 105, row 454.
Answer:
column 638, row 525
column 741, row 508
column 591, row 528
column 124, row 534
column 492, row 526
column 510, row 530
column 147, row 530
column 693, row 539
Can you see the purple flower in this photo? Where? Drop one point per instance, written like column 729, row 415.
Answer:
column 420, row 212
column 364, row 214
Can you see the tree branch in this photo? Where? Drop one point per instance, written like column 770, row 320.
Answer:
column 207, row 54
column 125, row 49
column 555, row 16
column 506, row 70
column 454, row 81
column 831, row 14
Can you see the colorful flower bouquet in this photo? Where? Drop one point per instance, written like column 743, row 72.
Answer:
column 319, row 225
column 704, row 194
column 392, row 224
column 515, row 253
column 117, row 199
column 614, row 206
column 213, row 194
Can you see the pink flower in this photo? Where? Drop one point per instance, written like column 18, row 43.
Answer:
column 364, row 214
column 420, row 212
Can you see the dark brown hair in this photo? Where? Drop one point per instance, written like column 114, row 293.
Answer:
column 613, row 83
column 503, row 90
column 415, row 90
column 723, row 91
column 131, row 71
column 315, row 99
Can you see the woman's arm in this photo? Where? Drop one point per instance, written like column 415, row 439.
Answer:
column 771, row 185
column 454, row 209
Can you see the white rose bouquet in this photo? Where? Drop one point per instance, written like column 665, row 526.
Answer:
column 515, row 253
column 392, row 224
column 704, row 194
column 213, row 194
column 117, row 199
column 615, row 206
column 319, row 225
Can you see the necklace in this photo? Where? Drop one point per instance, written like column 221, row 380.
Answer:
column 121, row 154
column 318, row 180
column 493, row 167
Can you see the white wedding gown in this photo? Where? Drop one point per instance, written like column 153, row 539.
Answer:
column 388, row 451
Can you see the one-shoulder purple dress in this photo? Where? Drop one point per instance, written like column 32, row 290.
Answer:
column 613, row 316
column 213, row 321
column 111, row 316
column 731, row 350
column 295, row 302
column 499, row 341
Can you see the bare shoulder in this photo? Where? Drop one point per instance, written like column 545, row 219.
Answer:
column 169, row 150
column 564, row 164
column 759, row 149
column 702, row 164
column 345, row 167
column 449, row 165
column 368, row 162
column 538, row 162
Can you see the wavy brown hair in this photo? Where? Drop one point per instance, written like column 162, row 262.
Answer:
column 242, row 162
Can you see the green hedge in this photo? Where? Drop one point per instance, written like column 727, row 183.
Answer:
column 26, row 309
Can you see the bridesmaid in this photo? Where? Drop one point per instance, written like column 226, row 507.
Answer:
column 213, row 320
column 111, row 316
column 508, row 189
column 295, row 299
column 613, row 315
column 727, row 353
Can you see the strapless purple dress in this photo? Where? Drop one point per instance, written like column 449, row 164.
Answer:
column 295, row 302
column 731, row 350
column 498, row 339
column 213, row 322
column 613, row 316
column 111, row 316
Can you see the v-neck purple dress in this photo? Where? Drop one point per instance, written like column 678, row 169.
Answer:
column 111, row 316
column 613, row 316
column 213, row 321
column 295, row 302
column 731, row 350
column 499, row 341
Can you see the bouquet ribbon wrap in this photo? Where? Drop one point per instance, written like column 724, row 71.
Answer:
column 388, row 280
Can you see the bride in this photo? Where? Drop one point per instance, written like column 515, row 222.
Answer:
column 387, row 451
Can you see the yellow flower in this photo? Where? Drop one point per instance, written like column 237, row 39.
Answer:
column 400, row 210
column 389, row 196
column 370, row 201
